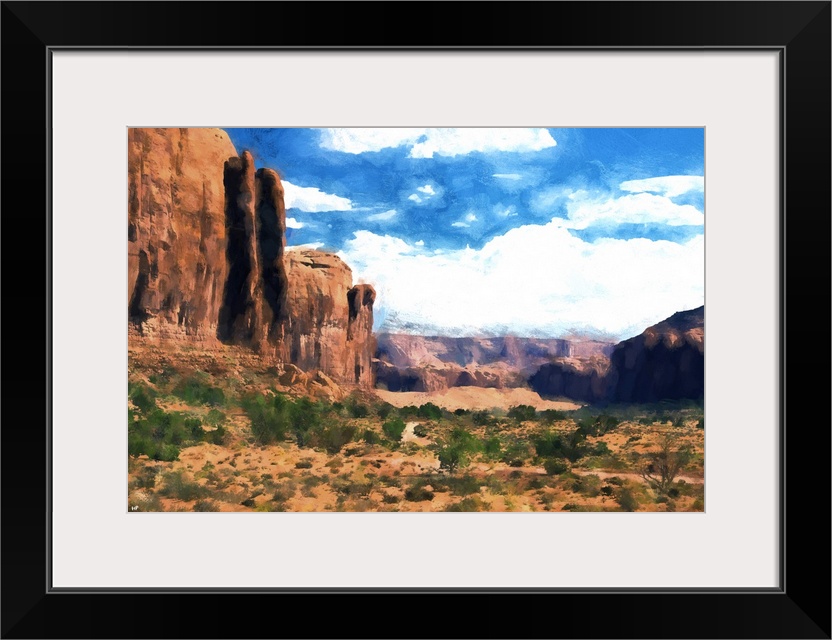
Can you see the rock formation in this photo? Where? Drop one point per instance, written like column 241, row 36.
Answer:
column 176, row 231
column 665, row 362
column 208, row 261
column 431, row 363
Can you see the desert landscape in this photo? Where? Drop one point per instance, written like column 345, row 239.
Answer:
column 260, row 378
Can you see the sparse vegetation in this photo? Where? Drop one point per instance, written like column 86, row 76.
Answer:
column 270, row 451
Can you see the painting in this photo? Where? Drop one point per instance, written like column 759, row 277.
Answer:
column 415, row 320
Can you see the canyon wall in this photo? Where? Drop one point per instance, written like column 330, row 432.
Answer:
column 665, row 362
column 207, row 261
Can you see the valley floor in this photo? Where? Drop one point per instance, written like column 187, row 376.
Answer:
column 196, row 446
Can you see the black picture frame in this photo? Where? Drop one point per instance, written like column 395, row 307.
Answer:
column 799, row 31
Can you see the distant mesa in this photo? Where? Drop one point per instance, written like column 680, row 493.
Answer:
column 432, row 363
column 208, row 261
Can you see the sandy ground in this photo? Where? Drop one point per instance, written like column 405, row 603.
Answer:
column 474, row 398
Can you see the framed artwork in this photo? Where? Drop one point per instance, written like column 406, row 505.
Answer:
column 425, row 318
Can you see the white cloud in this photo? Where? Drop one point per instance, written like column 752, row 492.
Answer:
column 312, row 199
column 634, row 208
column 507, row 176
column 460, row 224
column 309, row 245
column 291, row 223
column 670, row 186
column 384, row 215
column 364, row 140
column 535, row 279
column 420, row 243
column 414, row 197
column 505, row 212
column 425, row 143
column 470, row 218
column 427, row 189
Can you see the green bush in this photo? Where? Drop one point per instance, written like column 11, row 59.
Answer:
column 384, row 409
column 143, row 398
column 159, row 434
column 177, row 485
column 418, row 493
column 197, row 390
column 555, row 466
column 205, row 505
column 429, row 411
column 420, row 431
column 522, row 413
column 626, row 499
column 466, row 505
column 370, row 437
column 482, row 418
column 552, row 415
column 492, row 448
column 465, row 486
column 215, row 418
column 303, row 464
column 333, row 437
column 394, row 428
column 270, row 419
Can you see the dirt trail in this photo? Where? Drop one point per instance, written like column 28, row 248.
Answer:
column 629, row 474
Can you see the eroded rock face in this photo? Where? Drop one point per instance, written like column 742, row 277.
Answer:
column 572, row 378
column 431, row 363
column 208, row 262
column 176, row 233
column 329, row 321
column 666, row 362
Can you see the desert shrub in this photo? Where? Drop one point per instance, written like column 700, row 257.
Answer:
column 626, row 499
column 394, row 428
column 160, row 434
column 589, row 485
column 598, row 426
column 217, row 436
column 570, row 506
column 408, row 411
column 370, row 437
column 270, row 419
column 607, row 490
column 143, row 398
column 492, row 447
column 357, row 409
column 418, row 493
column 522, row 413
column 215, row 418
column 420, row 431
column 303, row 464
column 333, row 437
column 178, row 485
column 482, row 418
column 205, row 505
column 461, row 412
column 555, row 466
column 146, row 478
column 456, row 450
column 662, row 466
column 429, row 411
column 465, row 486
column 196, row 390
column 384, row 409
column 472, row 503
column 306, row 417
column 601, row 449
column 550, row 444
column 700, row 424
column 698, row 505
column 552, row 415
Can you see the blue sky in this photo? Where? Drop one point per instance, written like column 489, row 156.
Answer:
column 549, row 232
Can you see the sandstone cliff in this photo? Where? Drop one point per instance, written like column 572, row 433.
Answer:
column 208, row 261
column 431, row 363
column 665, row 362
column 176, row 232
